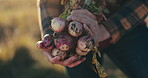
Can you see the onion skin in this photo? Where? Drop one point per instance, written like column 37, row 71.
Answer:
column 57, row 52
column 47, row 41
column 86, row 43
column 75, row 28
column 58, row 24
column 81, row 53
column 40, row 45
column 63, row 42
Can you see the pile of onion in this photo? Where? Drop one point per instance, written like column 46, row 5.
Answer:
column 67, row 37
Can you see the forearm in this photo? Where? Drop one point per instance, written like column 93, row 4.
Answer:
column 127, row 18
column 46, row 10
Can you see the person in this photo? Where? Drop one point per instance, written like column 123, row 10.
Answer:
column 124, row 36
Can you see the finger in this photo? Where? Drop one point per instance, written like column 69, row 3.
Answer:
column 77, row 62
column 84, row 12
column 96, row 44
column 69, row 61
column 80, row 19
column 84, row 19
column 91, row 22
column 55, row 60
column 46, row 50
column 47, row 54
column 90, row 33
column 40, row 45
column 86, row 28
column 51, row 59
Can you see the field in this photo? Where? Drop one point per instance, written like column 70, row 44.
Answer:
column 19, row 32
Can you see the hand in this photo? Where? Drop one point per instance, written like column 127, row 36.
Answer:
column 70, row 62
column 97, row 31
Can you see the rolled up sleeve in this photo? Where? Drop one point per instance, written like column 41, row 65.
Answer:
column 126, row 19
column 47, row 9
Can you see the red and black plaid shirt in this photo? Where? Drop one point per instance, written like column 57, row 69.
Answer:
column 126, row 17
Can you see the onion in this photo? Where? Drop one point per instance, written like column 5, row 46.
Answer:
column 40, row 45
column 75, row 28
column 57, row 52
column 86, row 43
column 82, row 53
column 48, row 42
column 58, row 24
column 75, row 54
column 63, row 42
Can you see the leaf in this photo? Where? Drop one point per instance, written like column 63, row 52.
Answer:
column 99, row 68
column 87, row 2
column 72, row 2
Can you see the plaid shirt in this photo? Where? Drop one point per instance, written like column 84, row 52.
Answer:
column 126, row 18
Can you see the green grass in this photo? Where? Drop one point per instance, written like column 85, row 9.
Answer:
column 19, row 32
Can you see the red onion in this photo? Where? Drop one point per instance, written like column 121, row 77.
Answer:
column 63, row 42
column 57, row 52
column 75, row 54
column 86, row 43
column 40, row 45
column 58, row 24
column 48, row 42
column 75, row 28
column 80, row 52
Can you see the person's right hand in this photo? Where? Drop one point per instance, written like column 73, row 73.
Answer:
column 90, row 24
column 70, row 62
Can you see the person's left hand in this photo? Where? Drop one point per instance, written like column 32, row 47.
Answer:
column 70, row 62
column 97, row 31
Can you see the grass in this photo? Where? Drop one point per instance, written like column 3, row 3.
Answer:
column 19, row 57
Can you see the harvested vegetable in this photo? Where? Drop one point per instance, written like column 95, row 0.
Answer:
column 75, row 28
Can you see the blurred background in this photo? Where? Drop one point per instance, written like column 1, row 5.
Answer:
column 19, row 32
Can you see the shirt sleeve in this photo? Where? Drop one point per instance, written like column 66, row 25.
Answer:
column 47, row 9
column 126, row 18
